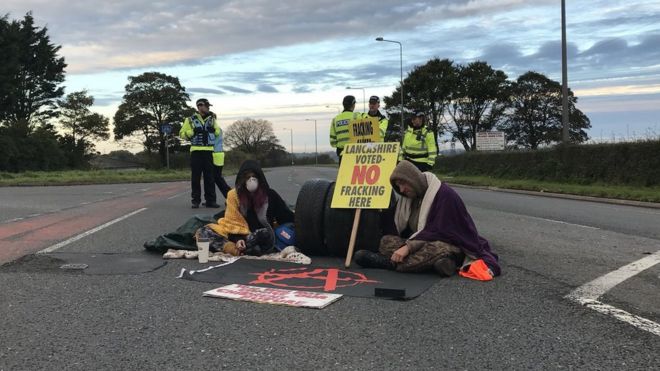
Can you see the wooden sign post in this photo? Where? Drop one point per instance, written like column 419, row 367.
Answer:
column 363, row 181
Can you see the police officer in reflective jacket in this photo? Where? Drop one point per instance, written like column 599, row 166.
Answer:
column 201, row 129
column 419, row 145
column 339, row 124
column 383, row 122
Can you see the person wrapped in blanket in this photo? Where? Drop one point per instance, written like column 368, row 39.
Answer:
column 253, row 211
column 430, row 229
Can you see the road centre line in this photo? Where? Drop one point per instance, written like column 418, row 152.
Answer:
column 87, row 233
column 589, row 293
column 562, row 222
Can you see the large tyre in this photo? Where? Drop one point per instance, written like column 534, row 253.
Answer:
column 309, row 217
column 338, row 224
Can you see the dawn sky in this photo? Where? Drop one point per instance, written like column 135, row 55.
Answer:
column 288, row 61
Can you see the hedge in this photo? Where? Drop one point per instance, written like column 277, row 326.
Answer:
column 634, row 163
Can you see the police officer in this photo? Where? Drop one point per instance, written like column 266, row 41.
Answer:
column 383, row 122
column 201, row 129
column 419, row 145
column 339, row 124
column 219, row 163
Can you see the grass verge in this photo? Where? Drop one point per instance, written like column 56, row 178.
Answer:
column 645, row 194
column 71, row 177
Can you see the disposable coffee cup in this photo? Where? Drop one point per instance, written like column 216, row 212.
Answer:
column 203, row 250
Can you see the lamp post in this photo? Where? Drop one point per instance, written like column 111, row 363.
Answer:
column 401, row 63
column 291, row 145
column 316, row 143
column 564, row 76
column 364, row 105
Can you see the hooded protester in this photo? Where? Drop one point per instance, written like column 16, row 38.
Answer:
column 429, row 229
column 253, row 211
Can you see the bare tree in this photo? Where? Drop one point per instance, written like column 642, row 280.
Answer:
column 251, row 136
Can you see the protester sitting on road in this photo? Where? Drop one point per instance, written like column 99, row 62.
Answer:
column 429, row 229
column 253, row 211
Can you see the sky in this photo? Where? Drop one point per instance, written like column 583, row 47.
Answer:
column 290, row 62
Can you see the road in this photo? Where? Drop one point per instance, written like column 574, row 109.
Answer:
column 56, row 319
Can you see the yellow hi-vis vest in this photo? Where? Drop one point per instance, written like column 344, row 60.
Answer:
column 339, row 128
column 419, row 146
column 187, row 132
column 218, row 150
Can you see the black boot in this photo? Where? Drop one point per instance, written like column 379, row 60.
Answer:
column 370, row 259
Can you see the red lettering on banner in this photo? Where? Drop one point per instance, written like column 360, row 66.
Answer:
column 361, row 173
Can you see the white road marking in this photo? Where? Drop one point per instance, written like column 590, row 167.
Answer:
column 589, row 293
column 177, row 195
column 562, row 222
column 85, row 234
column 12, row 220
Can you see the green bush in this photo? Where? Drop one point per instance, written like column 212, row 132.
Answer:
column 635, row 163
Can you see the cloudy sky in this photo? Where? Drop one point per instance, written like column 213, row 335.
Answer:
column 291, row 61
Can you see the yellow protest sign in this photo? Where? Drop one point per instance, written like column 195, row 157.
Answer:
column 364, row 130
column 363, row 181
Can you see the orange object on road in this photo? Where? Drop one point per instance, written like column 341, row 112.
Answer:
column 477, row 270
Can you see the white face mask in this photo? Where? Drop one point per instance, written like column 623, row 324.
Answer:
column 252, row 184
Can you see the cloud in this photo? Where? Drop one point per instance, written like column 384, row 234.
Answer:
column 205, row 91
column 133, row 34
column 234, row 89
column 301, row 89
column 264, row 88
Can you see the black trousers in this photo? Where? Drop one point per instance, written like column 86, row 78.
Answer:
column 220, row 181
column 201, row 163
column 422, row 166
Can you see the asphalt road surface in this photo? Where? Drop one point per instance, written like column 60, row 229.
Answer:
column 525, row 319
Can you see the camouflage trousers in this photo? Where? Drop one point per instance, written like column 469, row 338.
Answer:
column 423, row 254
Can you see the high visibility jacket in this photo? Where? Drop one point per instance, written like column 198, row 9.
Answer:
column 339, row 128
column 204, row 140
column 218, row 150
column 383, row 123
column 419, row 146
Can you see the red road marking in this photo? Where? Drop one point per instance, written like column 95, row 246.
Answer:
column 31, row 235
column 331, row 281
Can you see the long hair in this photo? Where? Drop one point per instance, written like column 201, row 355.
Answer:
column 252, row 200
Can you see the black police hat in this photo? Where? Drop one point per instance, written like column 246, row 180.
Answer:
column 374, row 99
column 203, row 101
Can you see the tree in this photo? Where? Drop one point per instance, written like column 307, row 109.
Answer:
column 536, row 113
column 30, row 72
column 151, row 100
column 254, row 137
column 83, row 125
column 428, row 88
column 478, row 103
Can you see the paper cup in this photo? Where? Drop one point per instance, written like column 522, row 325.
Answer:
column 203, row 250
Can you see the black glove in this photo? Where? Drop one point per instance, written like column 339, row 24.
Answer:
column 210, row 129
column 198, row 130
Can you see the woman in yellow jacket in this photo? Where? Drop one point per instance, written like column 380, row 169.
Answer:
column 253, row 211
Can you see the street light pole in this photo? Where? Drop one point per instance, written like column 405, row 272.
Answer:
column 401, row 65
column 564, row 76
column 364, row 96
column 316, row 143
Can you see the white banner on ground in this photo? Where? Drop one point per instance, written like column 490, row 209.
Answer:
column 267, row 295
